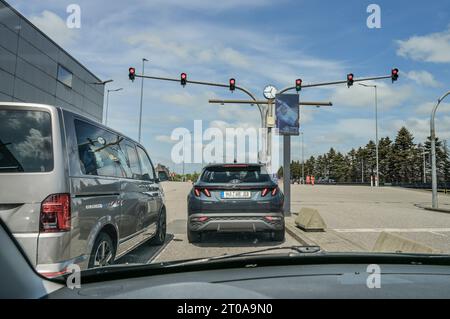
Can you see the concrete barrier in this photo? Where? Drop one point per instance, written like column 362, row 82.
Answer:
column 310, row 220
column 392, row 243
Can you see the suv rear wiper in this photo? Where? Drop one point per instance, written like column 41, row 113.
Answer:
column 296, row 249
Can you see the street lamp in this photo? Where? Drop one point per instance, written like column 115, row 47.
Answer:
column 101, row 82
column 433, row 152
column 376, row 131
column 142, row 96
column 424, row 166
column 107, row 103
column 303, row 160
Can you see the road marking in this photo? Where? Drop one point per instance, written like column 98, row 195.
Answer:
column 393, row 230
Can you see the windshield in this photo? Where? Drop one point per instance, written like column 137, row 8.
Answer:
column 180, row 130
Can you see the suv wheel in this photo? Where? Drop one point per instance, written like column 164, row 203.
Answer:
column 193, row 236
column 103, row 252
column 160, row 236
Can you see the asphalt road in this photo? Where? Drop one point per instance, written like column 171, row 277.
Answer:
column 353, row 214
column 360, row 213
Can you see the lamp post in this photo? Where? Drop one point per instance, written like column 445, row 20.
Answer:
column 376, row 131
column 107, row 103
column 142, row 97
column 433, row 152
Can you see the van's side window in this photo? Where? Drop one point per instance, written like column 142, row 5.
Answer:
column 99, row 151
column 133, row 161
column 146, row 164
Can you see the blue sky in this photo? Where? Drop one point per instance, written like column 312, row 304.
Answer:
column 259, row 43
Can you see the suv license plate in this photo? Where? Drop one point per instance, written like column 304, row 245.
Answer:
column 236, row 194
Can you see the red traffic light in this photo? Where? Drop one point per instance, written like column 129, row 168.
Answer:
column 232, row 84
column 131, row 73
column 394, row 75
column 298, row 85
column 183, row 79
column 350, row 79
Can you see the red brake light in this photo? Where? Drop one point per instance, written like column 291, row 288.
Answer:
column 274, row 191
column 55, row 213
column 197, row 192
column 207, row 193
column 264, row 192
column 202, row 219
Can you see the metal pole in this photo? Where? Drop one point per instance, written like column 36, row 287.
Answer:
column 107, row 105
column 424, row 168
column 142, row 97
column 362, row 171
column 434, row 198
column 287, row 174
column 376, row 136
column 303, row 163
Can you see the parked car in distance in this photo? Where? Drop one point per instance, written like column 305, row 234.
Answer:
column 73, row 190
column 235, row 198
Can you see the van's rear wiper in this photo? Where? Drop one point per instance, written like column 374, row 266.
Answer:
column 296, row 249
column 16, row 168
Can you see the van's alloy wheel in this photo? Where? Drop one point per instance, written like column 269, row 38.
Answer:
column 103, row 255
column 103, row 252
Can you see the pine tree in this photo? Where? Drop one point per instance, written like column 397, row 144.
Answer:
column 405, row 157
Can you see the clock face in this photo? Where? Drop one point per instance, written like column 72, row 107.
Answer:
column 270, row 92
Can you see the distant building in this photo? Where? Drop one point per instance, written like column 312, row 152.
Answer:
column 33, row 68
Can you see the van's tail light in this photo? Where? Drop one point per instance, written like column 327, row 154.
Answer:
column 264, row 192
column 197, row 192
column 274, row 191
column 55, row 214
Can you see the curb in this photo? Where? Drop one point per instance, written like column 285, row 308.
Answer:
column 298, row 236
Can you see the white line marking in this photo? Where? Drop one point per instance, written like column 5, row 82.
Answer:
column 392, row 230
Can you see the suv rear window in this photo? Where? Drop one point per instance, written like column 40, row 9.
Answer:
column 25, row 141
column 235, row 174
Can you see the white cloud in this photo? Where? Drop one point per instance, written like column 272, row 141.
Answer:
column 427, row 107
column 434, row 47
column 164, row 139
column 359, row 96
column 423, row 78
column 55, row 27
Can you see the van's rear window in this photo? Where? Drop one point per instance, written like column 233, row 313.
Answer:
column 25, row 141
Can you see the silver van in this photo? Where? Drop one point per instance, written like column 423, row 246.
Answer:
column 74, row 191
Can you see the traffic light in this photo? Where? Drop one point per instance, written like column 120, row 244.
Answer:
column 131, row 73
column 183, row 79
column 350, row 80
column 394, row 75
column 298, row 85
column 232, row 85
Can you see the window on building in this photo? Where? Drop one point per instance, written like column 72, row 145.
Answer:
column 65, row 76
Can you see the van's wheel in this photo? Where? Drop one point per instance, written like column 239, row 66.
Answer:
column 194, row 236
column 279, row 235
column 160, row 236
column 103, row 252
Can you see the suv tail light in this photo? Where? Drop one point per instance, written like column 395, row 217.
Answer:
column 197, row 192
column 206, row 191
column 55, row 214
column 264, row 192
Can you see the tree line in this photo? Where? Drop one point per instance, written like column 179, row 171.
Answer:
column 400, row 162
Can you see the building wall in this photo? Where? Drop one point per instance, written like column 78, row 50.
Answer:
column 29, row 69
